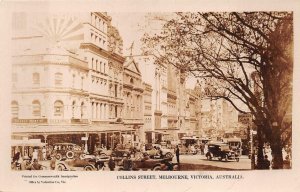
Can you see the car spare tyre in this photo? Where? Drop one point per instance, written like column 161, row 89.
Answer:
column 70, row 154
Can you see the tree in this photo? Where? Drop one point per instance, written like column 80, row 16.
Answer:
column 241, row 57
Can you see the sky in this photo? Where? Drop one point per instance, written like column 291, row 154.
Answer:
column 131, row 27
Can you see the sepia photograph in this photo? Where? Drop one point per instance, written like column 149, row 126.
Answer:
column 195, row 91
column 189, row 97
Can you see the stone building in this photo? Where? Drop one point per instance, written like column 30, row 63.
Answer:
column 148, row 126
column 133, row 98
column 67, row 79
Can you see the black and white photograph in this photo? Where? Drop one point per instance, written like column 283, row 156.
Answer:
column 151, row 94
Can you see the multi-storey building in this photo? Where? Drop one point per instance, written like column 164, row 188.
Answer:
column 147, row 97
column 67, row 79
column 133, row 97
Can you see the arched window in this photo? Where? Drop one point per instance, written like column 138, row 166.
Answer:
column 58, row 109
column 58, row 79
column 73, row 109
column 36, row 109
column 36, row 78
column 14, row 109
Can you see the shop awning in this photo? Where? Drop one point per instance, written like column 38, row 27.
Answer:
column 30, row 142
column 69, row 129
column 159, row 132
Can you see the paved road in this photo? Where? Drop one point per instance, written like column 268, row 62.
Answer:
column 200, row 162
column 243, row 164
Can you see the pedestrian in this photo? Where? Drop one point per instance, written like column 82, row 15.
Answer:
column 177, row 154
column 111, row 164
column 44, row 152
column 34, row 155
column 266, row 163
column 52, row 162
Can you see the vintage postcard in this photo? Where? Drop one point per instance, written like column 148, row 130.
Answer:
column 150, row 95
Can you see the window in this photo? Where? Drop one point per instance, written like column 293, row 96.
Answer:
column 58, row 79
column 73, row 109
column 14, row 109
column 36, row 78
column 58, row 109
column 92, row 36
column 116, row 111
column 73, row 81
column 82, row 82
column 100, row 67
column 96, row 67
column 82, row 110
column 104, row 67
column 92, row 63
column 116, row 91
column 36, row 109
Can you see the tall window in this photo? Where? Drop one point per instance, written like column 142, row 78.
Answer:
column 14, row 109
column 116, row 111
column 73, row 81
column 104, row 68
column 58, row 79
column 73, row 109
column 82, row 110
column 36, row 78
column 116, row 91
column 92, row 63
column 58, row 109
column 36, row 109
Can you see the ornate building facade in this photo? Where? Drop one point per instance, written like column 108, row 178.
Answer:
column 133, row 97
column 67, row 79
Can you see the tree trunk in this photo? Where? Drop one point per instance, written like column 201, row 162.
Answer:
column 276, row 149
column 260, row 155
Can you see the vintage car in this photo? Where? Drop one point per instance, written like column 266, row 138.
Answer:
column 142, row 164
column 221, row 151
column 165, row 152
column 88, row 163
column 66, row 150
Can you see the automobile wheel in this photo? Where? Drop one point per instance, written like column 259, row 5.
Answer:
column 226, row 157
column 209, row 157
column 220, row 158
column 82, row 156
column 70, row 154
column 237, row 159
column 58, row 156
column 88, row 168
column 61, row 167
column 157, row 168
column 168, row 155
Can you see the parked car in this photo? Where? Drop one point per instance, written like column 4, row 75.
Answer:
column 88, row 163
column 152, row 150
column 221, row 151
column 74, row 164
column 142, row 164
column 66, row 150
